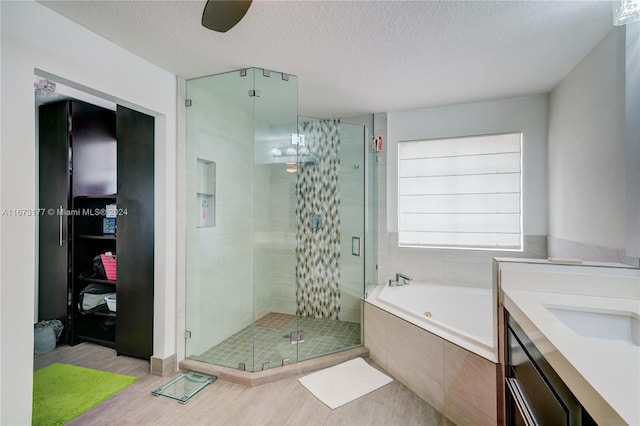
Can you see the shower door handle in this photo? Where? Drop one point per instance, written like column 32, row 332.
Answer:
column 355, row 246
column 60, row 215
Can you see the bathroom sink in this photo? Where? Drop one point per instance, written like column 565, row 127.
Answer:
column 621, row 326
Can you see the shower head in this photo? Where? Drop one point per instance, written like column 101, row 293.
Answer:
column 309, row 160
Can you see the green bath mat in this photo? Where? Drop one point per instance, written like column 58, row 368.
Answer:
column 62, row 392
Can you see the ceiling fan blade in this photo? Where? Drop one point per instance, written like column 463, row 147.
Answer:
column 222, row 15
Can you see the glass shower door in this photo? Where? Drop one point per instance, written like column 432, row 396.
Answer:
column 220, row 204
column 331, row 236
column 274, row 219
column 278, row 231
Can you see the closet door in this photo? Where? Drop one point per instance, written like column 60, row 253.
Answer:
column 94, row 150
column 54, row 182
column 135, row 233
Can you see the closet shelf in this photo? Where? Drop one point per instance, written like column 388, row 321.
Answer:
column 97, row 237
column 100, row 314
column 96, row 280
column 97, row 197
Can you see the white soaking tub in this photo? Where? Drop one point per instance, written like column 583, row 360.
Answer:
column 462, row 315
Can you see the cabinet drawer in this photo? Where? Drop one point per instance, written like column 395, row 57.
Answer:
column 543, row 393
column 542, row 400
column 519, row 412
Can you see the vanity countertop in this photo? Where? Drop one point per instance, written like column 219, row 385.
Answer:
column 602, row 372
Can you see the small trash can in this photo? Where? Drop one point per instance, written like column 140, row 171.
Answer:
column 44, row 339
column 46, row 335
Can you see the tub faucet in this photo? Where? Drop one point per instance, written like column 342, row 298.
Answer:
column 402, row 279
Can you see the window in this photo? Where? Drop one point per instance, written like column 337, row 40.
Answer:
column 461, row 192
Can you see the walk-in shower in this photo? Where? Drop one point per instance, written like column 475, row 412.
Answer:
column 280, row 239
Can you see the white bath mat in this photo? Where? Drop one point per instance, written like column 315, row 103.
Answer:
column 337, row 385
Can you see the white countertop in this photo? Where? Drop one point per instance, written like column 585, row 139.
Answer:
column 603, row 374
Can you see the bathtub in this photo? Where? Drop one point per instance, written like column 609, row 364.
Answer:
column 462, row 315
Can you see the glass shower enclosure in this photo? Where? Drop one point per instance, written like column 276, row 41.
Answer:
column 279, row 237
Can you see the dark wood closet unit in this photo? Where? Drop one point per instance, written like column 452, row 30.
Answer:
column 134, row 329
column 90, row 158
column 89, row 241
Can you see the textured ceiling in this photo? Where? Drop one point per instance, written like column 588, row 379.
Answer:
column 355, row 57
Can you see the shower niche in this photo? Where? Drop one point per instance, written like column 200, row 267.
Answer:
column 206, row 192
column 259, row 269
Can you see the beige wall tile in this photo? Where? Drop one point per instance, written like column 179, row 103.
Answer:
column 163, row 367
column 456, row 382
column 469, row 386
column 375, row 334
column 466, row 415
column 411, row 346
column 413, row 356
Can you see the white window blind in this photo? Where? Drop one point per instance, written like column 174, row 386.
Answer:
column 461, row 192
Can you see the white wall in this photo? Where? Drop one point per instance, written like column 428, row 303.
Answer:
column 35, row 38
column 280, row 242
column 1, row 204
column 587, row 189
column 632, row 131
column 467, row 267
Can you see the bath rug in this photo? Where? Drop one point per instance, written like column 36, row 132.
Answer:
column 337, row 385
column 62, row 392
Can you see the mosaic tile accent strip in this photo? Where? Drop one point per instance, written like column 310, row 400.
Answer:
column 317, row 211
column 271, row 344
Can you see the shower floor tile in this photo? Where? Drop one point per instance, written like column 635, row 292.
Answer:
column 274, row 319
column 271, row 341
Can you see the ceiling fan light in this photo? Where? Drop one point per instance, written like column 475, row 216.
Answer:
column 291, row 167
column 222, row 15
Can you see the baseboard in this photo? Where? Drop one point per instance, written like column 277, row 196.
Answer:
column 164, row 367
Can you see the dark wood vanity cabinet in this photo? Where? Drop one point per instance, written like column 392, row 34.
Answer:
column 534, row 393
column 91, row 157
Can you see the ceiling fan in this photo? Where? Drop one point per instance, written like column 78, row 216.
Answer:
column 222, row 15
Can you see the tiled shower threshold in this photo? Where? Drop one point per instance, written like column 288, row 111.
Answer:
column 268, row 341
column 297, row 369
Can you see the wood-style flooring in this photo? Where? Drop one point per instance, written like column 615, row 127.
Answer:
column 285, row 402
